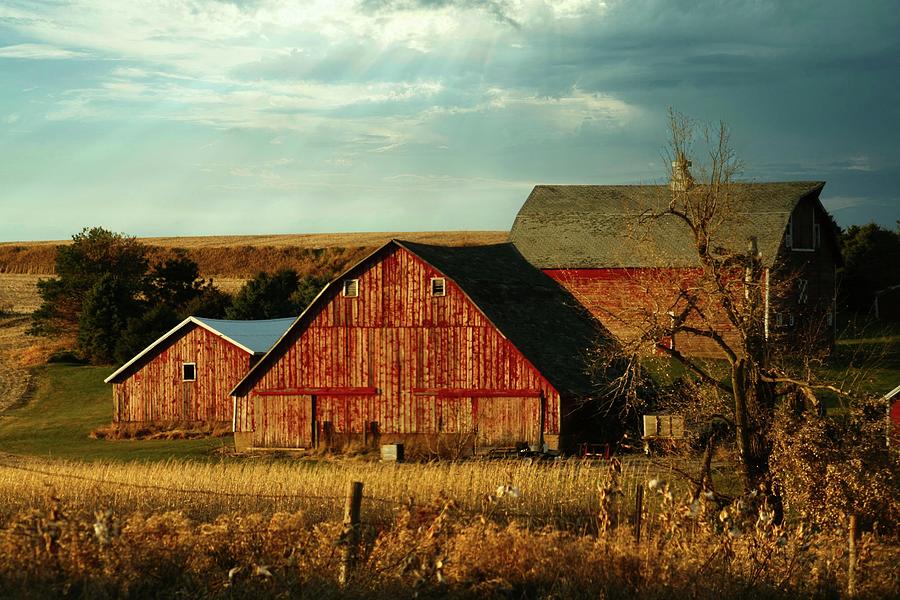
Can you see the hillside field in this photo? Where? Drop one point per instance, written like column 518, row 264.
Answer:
column 227, row 256
column 228, row 260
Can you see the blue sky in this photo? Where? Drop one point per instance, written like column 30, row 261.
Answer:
column 194, row 117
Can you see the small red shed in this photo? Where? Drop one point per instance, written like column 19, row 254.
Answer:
column 186, row 374
column 428, row 345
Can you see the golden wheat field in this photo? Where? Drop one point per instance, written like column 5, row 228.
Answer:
column 563, row 493
column 272, row 529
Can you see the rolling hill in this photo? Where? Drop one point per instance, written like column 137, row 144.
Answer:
column 229, row 260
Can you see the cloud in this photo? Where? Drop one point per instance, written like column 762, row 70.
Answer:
column 439, row 97
column 499, row 9
column 38, row 52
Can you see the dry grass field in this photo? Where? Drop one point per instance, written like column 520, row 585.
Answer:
column 15, row 378
column 460, row 530
column 228, row 260
column 18, row 293
column 245, row 255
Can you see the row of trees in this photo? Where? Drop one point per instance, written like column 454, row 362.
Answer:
column 114, row 295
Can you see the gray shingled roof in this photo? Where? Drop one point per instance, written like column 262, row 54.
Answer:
column 546, row 323
column 601, row 226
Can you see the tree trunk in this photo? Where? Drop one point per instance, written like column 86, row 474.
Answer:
column 742, row 432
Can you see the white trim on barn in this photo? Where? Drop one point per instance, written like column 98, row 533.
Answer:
column 169, row 334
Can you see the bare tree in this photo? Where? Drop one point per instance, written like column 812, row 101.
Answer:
column 721, row 301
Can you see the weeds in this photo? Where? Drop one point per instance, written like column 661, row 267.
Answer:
column 428, row 550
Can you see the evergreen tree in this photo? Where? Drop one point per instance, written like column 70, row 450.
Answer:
column 267, row 297
column 141, row 331
column 106, row 309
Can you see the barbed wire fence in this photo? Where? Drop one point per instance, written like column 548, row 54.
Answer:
column 408, row 502
column 348, row 542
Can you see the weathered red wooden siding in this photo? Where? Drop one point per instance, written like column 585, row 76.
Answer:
column 414, row 349
column 156, row 392
column 622, row 298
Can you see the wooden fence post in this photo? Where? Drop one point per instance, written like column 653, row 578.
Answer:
column 638, row 511
column 350, row 533
column 852, row 558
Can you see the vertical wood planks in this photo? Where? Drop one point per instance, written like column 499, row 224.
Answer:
column 396, row 337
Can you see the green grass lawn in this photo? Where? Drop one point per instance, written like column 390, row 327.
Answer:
column 68, row 403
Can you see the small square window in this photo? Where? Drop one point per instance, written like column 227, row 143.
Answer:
column 438, row 286
column 189, row 371
column 350, row 288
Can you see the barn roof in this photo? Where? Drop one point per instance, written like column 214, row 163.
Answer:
column 601, row 226
column 543, row 321
column 253, row 337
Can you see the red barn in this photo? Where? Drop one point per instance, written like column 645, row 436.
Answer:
column 467, row 347
column 187, row 374
column 597, row 241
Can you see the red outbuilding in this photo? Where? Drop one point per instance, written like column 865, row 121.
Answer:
column 469, row 348
column 186, row 375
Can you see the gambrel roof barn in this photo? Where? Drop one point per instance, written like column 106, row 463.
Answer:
column 608, row 245
column 470, row 346
column 607, row 226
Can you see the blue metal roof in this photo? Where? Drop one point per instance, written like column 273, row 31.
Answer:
column 257, row 336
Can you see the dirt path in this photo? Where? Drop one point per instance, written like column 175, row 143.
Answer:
column 14, row 378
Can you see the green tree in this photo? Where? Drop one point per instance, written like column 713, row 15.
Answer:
column 107, row 294
column 871, row 263
column 140, row 331
column 267, row 297
column 174, row 282
column 93, row 254
column 106, row 309
column 307, row 290
column 212, row 303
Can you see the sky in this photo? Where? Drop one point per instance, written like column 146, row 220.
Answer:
column 209, row 117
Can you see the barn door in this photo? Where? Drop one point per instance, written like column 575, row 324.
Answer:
column 505, row 422
column 283, row 421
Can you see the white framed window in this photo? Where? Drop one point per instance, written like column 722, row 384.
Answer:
column 189, row 371
column 802, row 291
column 438, row 286
column 350, row 288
